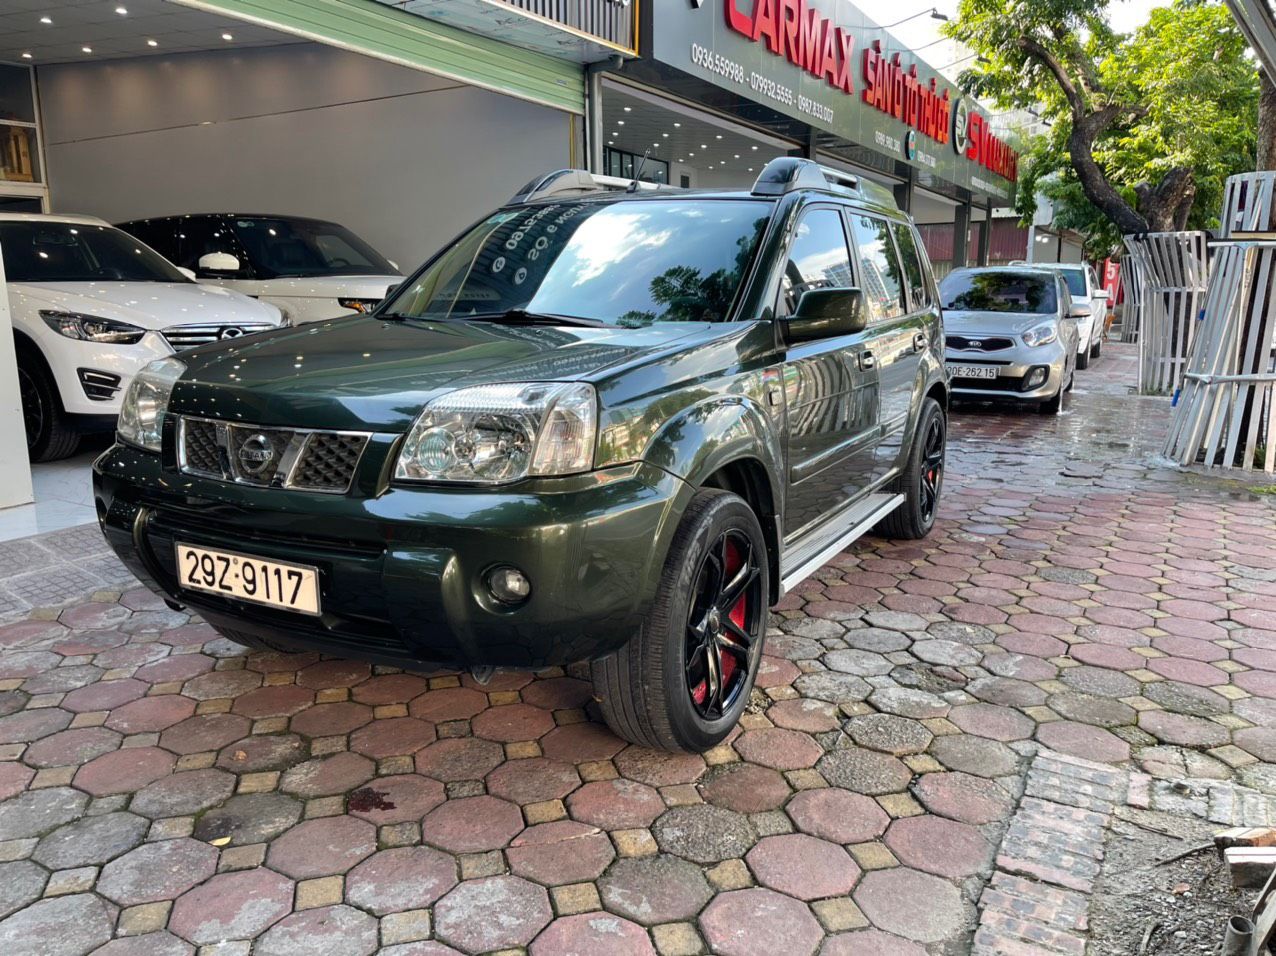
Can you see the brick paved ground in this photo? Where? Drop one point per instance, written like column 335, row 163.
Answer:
column 163, row 791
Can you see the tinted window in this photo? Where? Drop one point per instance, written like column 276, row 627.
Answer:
column 305, row 247
column 818, row 258
column 628, row 262
column 198, row 236
column 999, row 292
column 159, row 234
column 918, row 288
column 880, row 273
column 68, row 252
column 1075, row 278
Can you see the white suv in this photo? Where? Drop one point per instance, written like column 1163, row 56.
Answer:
column 1084, row 287
column 311, row 269
column 91, row 306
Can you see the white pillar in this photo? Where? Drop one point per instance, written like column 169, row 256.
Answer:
column 15, row 467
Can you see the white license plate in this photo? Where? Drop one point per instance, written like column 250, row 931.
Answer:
column 293, row 587
column 972, row 371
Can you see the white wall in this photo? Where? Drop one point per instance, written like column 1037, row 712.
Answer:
column 15, row 470
column 404, row 158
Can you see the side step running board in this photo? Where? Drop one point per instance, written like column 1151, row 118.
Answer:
column 813, row 552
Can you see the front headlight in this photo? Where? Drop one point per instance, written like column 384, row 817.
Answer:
column 362, row 306
column 91, row 328
column 141, row 421
column 1042, row 334
column 491, row 434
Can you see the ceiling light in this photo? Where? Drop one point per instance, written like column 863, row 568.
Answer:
column 152, row 42
column 46, row 20
column 122, row 11
column 677, row 124
column 629, row 109
column 719, row 136
column 26, row 56
column 703, row 146
column 227, row 36
column 620, row 122
column 753, row 147
column 87, row 49
column 737, row 155
column 665, row 135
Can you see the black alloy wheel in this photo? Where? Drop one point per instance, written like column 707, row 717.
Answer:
column 921, row 481
column 931, row 475
column 722, row 624
column 34, row 414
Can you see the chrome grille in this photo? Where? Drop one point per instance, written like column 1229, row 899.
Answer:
column 188, row 336
column 973, row 343
column 270, row 457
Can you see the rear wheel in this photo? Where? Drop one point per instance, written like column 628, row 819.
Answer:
column 1096, row 348
column 684, row 679
column 50, row 435
column 922, row 479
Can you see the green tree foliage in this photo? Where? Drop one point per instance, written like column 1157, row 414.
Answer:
column 1145, row 127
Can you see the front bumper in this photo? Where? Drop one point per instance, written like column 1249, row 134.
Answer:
column 1014, row 370
column 402, row 572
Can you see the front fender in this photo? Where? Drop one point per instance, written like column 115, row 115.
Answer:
column 707, row 436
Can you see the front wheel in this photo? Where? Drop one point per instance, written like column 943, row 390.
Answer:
column 1096, row 348
column 684, row 679
column 50, row 435
column 922, row 479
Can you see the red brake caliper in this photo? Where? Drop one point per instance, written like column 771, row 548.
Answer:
column 734, row 563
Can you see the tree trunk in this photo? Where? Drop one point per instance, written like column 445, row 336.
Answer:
column 1094, row 183
column 1266, row 121
column 1166, row 205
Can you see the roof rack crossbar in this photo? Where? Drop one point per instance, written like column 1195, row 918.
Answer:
column 578, row 182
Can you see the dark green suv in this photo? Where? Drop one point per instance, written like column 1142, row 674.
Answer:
column 608, row 423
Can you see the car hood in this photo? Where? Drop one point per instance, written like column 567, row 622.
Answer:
column 375, row 375
column 330, row 287
column 148, row 305
column 991, row 323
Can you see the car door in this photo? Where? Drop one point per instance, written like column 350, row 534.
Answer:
column 830, row 385
column 897, row 328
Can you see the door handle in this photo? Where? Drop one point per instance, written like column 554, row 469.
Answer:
column 920, row 341
column 867, row 361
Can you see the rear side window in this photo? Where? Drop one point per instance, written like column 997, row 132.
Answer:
column 159, row 234
column 881, row 277
column 914, row 277
column 818, row 258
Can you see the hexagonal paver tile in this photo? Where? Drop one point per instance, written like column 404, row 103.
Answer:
column 403, row 878
column 389, row 689
column 592, row 933
column 657, row 768
column 327, row 720
column 533, row 780
column 262, row 752
column 864, row 771
column 975, row 755
column 104, row 695
column 178, row 667
column 804, row 715
column 236, row 905
column 21, row 883
column 396, row 799
column 459, row 758
column 28, row 725
column 91, row 841
column 833, row 814
column 217, row 684
column 655, row 889
column 833, row 687
column 493, row 913
column 993, row 722
column 472, row 824
column 322, row 847
column 157, row 871
column 803, row 866
column 1192, row 700
column 909, row 702
column 869, row 942
column 183, row 793
column 1089, row 709
column 510, row 722
column 581, row 743
column 778, row 749
column 449, row 703
column 1082, row 740
column 391, row 737
column 964, row 797
column 39, row 811
column 759, row 922
column 889, row 734
column 618, row 804
column 249, row 818
column 204, row 732
column 1259, row 741
column 1006, row 692
column 558, row 693
column 939, row 846
column 332, row 930
column 325, row 776
column 562, row 851
column 1182, row 730
column 124, row 771
column 59, row 926
column 151, row 714
column 703, row 833
column 275, row 700
column 915, row 905
column 334, row 673
column 71, row 747
column 745, row 788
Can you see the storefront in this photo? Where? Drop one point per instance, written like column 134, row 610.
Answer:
column 724, row 85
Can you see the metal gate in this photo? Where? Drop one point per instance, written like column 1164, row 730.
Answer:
column 1173, row 273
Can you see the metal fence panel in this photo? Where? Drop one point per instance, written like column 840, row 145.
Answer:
column 1171, row 270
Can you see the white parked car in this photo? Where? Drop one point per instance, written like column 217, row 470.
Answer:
column 1084, row 287
column 309, row 268
column 91, row 305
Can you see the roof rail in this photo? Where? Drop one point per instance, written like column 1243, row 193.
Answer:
column 787, row 173
column 577, row 182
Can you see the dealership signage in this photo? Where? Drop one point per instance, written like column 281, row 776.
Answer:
column 825, row 63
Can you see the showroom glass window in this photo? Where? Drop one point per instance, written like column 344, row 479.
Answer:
column 278, row 248
column 881, row 276
column 1017, row 292
column 918, row 290
column 621, row 262
column 60, row 252
column 19, row 148
column 818, row 258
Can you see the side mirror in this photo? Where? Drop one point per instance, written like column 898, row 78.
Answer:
column 824, row 313
column 1079, row 311
column 189, row 273
column 218, row 262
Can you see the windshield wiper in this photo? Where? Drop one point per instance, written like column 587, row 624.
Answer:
column 523, row 317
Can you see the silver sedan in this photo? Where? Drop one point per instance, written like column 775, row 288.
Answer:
column 1011, row 333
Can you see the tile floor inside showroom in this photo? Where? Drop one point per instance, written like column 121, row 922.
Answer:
column 941, row 730
column 63, row 497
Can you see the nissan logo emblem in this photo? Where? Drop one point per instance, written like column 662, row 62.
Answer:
column 231, row 332
column 256, row 455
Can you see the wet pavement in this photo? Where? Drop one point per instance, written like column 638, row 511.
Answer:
column 1077, row 605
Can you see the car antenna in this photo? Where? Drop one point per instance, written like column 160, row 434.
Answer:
column 633, row 185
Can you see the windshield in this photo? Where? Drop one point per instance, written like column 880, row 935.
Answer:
column 999, row 292
column 627, row 263
column 280, row 248
column 70, row 252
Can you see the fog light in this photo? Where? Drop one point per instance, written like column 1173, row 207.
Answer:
column 1036, row 378
column 509, row 585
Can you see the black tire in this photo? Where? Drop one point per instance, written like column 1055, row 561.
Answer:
column 922, row 480
column 1052, row 406
column 50, row 435
column 648, row 690
column 1096, row 348
column 1083, row 359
